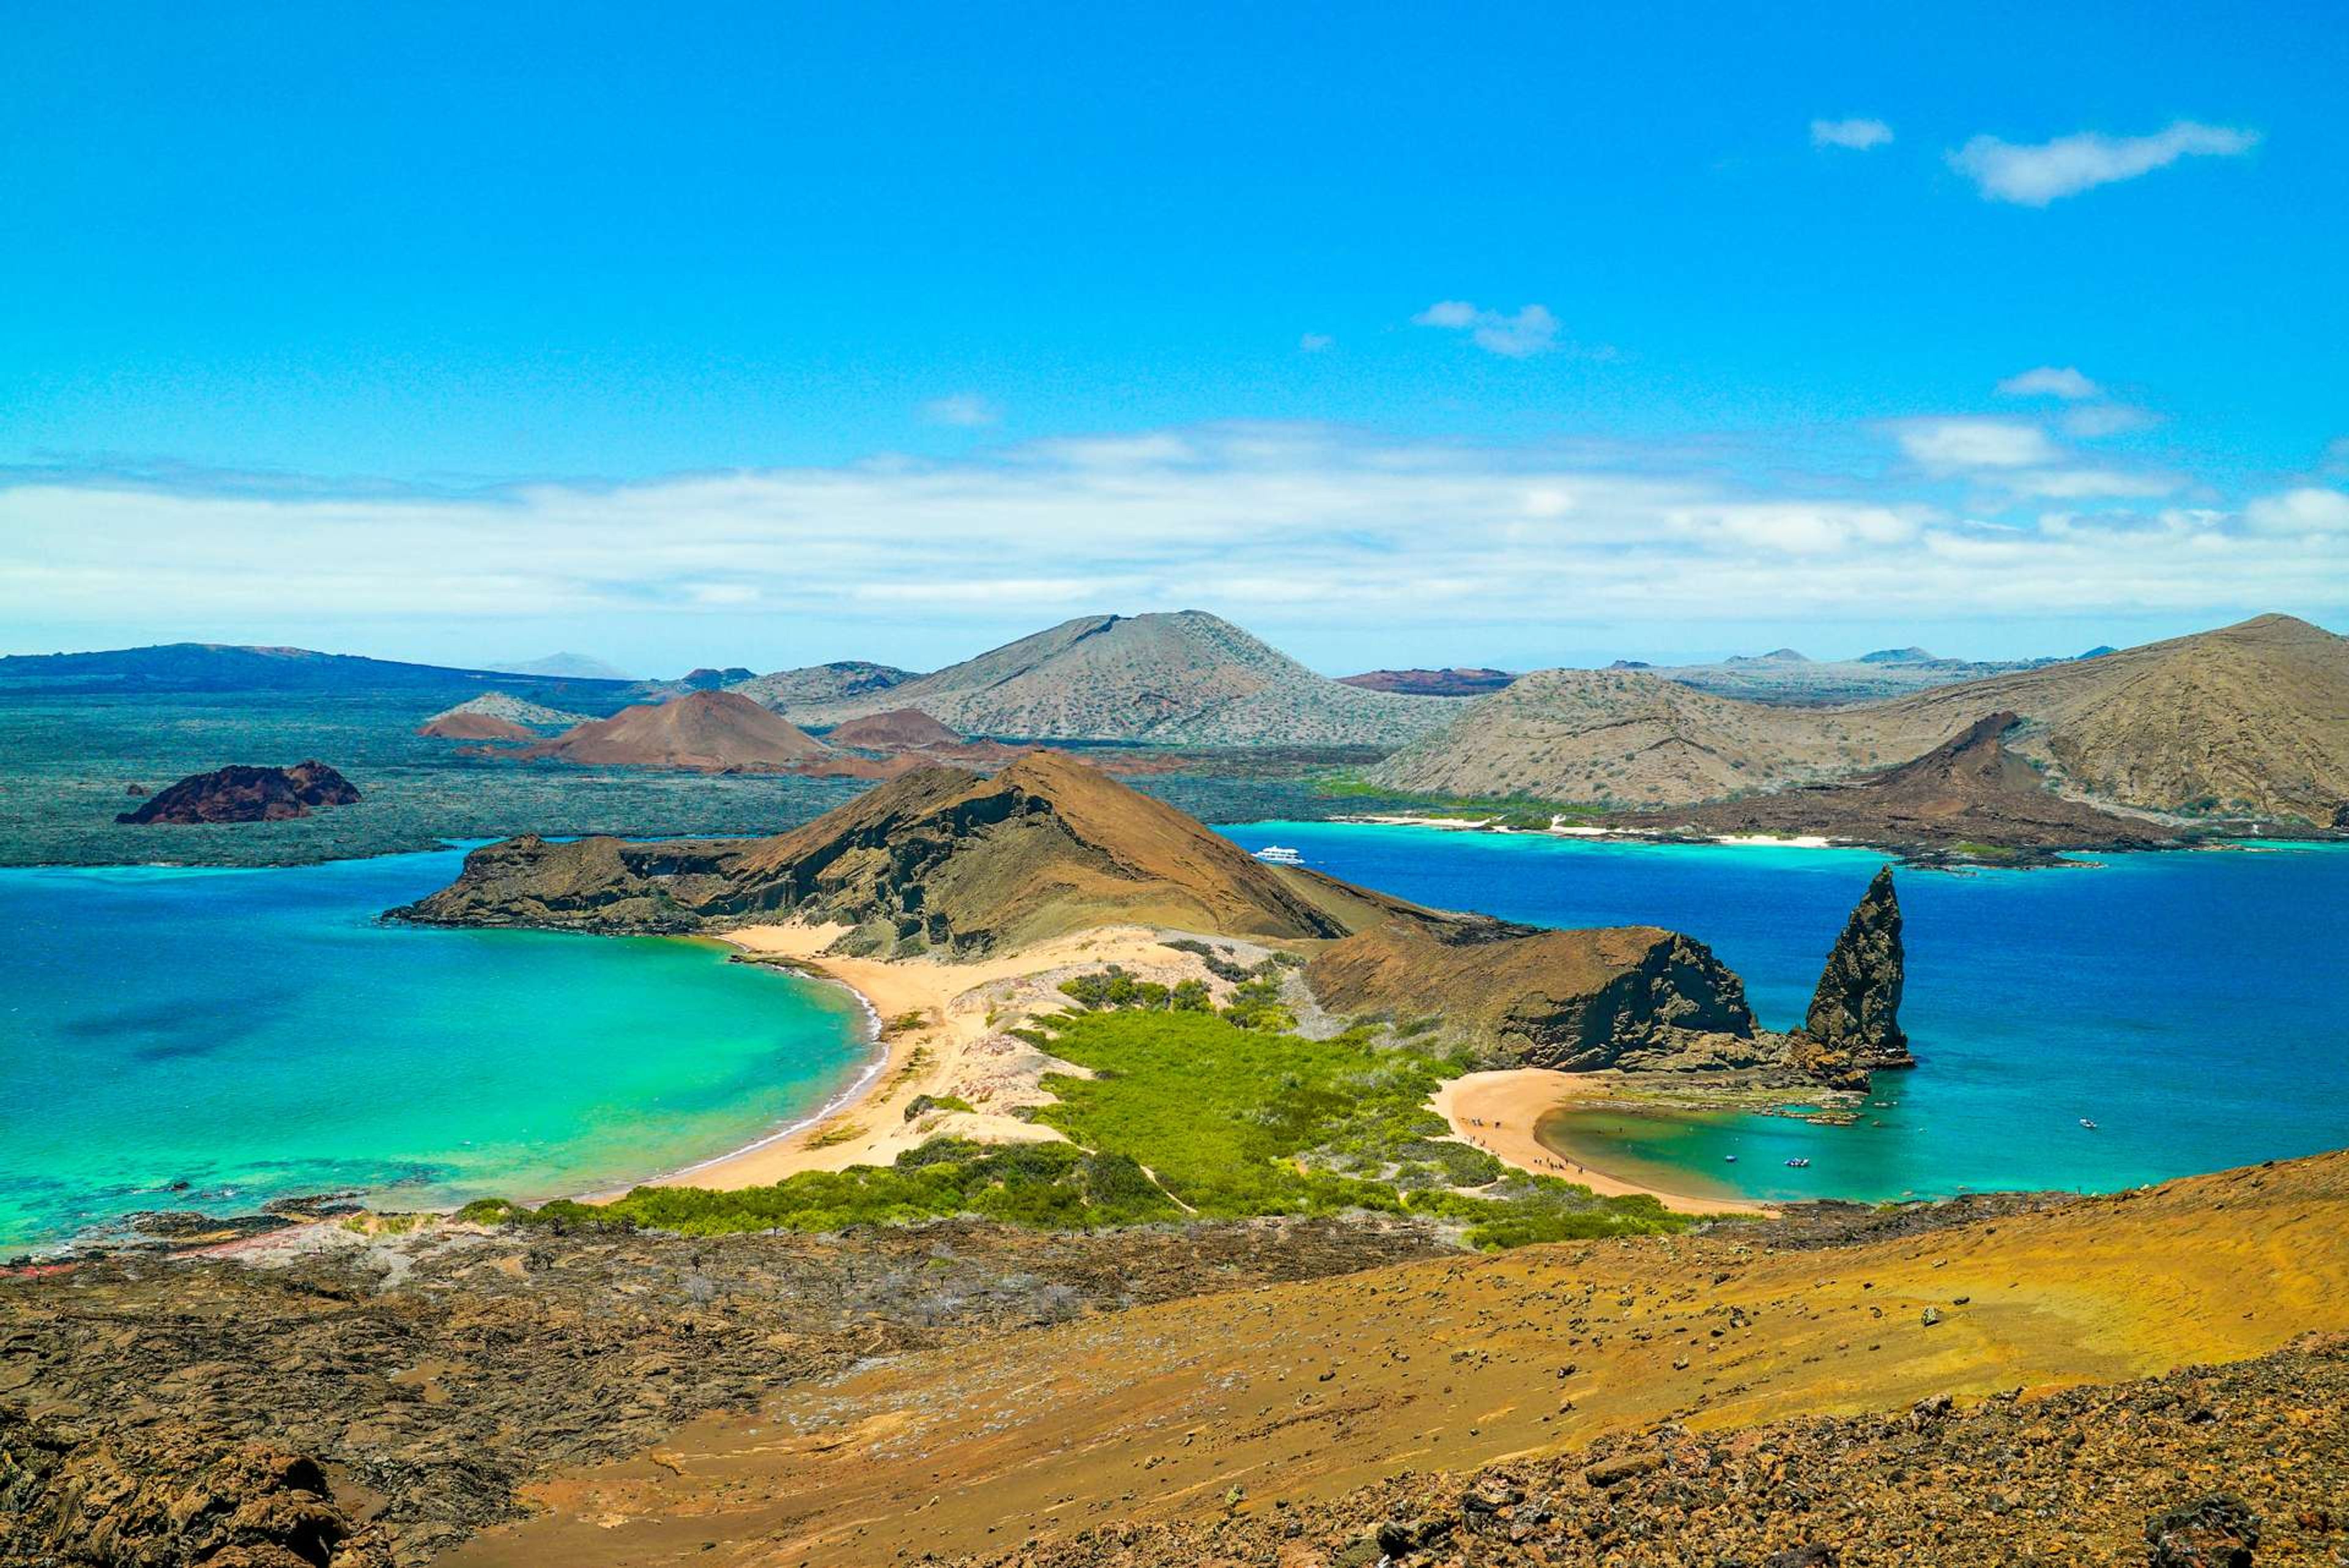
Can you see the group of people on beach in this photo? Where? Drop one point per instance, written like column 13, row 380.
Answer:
column 1546, row 1162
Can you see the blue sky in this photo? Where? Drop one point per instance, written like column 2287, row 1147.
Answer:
column 762, row 334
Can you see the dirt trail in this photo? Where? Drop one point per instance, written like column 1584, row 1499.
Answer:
column 1304, row 1391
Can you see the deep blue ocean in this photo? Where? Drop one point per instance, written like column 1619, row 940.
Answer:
column 211, row 1040
column 2194, row 1006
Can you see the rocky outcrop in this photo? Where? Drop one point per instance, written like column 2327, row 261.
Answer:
column 1854, row 1026
column 239, row 793
column 1639, row 998
column 1627, row 998
column 168, row 1494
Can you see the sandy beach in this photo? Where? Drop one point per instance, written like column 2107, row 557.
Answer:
column 1497, row 1112
column 944, row 1032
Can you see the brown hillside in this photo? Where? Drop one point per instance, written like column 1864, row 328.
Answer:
column 937, row 858
column 899, row 730
column 2252, row 720
column 1971, row 790
column 712, row 730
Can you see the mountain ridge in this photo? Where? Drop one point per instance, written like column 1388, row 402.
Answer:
column 1180, row 678
column 2252, row 718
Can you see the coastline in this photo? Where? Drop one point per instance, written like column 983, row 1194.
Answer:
column 960, row 1047
column 1557, row 829
column 943, row 1031
column 1496, row 1111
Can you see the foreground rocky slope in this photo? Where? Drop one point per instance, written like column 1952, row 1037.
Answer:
column 2209, row 1467
column 1290, row 1424
column 2252, row 720
column 1186, row 679
column 364, row 1402
column 240, row 793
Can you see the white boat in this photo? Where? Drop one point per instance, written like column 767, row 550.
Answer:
column 1279, row 855
column 2087, row 1123
column 1799, row 1164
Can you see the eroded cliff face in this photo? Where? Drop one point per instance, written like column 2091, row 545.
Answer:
column 1635, row 997
column 1627, row 998
column 1854, row 1025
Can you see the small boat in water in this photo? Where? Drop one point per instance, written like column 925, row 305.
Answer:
column 2087, row 1123
column 1279, row 855
column 1799, row 1164
column 1732, row 1158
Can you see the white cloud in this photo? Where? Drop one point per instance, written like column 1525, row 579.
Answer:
column 2094, row 421
column 1315, row 342
column 2050, row 381
column 1858, row 135
column 2311, row 508
column 1292, row 525
column 2035, row 174
column 1948, row 445
column 1532, row 330
column 2087, row 484
column 965, row 410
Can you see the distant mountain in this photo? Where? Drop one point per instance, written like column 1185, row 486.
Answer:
column 2252, row 720
column 221, row 667
column 710, row 730
column 1787, row 676
column 788, row 692
column 899, row 730
column 567, row 667
column 1184, row 678
column 1968, row 791
column 708, row 679
column 496, row 715
column 1460, row 682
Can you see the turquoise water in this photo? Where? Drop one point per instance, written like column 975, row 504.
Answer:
column 258, row 1034
column 2196, row 1007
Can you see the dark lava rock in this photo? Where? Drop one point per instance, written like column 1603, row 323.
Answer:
column 2217, row 1533
column 1854, row 1026
column 168, row 1494
column 240, row 793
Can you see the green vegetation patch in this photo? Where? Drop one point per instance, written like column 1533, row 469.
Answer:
column 1187, row 1115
